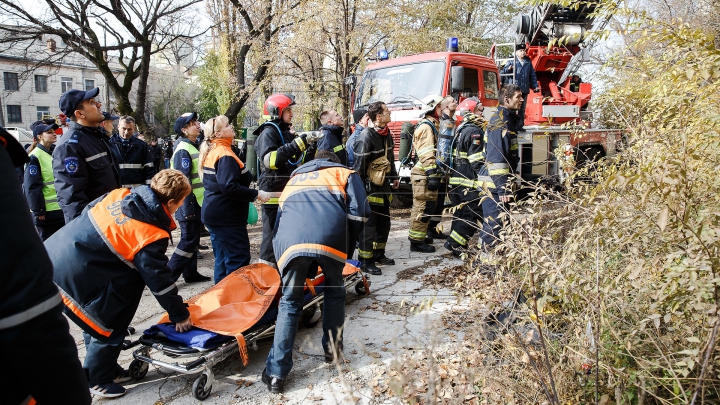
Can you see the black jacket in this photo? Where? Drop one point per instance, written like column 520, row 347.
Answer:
column 106, row 288
column 268, row 141
column 26, row 284
column 467, row 150
column 136, row 162
column 332, row 141
column 369, row 146
column 84, row 168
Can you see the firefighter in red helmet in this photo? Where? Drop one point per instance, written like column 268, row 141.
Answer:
column 280, row 151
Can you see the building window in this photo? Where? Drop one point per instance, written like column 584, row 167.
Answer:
column 89, row 84
column 40, row 84
column 66, row 83
column 14, row 114
column 11, row 81
column 43, row 112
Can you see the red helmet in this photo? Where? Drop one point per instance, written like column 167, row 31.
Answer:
column 277, row 103
column 467, row 105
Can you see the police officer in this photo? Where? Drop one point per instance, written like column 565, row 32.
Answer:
column 372, row 144
column 426, row 177
column 39, row 184
column 34, row 334
column 184, row 258
column 104, row 259
column 135, row 160
column 83, row 162
column 467, row 160
column 501, row 159
column 108, row 124
column 332, row 130
column 279, row 151
column 301, row 246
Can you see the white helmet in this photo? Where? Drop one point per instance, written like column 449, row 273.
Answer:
column 429, row 104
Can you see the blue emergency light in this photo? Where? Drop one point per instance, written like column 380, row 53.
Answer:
column 452, row 44
column 382, row 54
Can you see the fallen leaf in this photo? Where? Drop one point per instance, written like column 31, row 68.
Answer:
column 375, row 355
column 384, row 349
column 353, row 352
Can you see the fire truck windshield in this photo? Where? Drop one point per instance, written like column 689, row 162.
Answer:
column 401, row 85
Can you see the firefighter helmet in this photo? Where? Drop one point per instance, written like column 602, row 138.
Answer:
column 429, row 104
column 277, row 103
column 466, row 106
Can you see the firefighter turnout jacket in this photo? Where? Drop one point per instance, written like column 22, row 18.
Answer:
column 84, row 167
column 425, row 140
column 278, row 157
column 227, row 186
column 501, row 151
column 39, row 185
column 333, row 195
column 186, row 159
column 104, row 259
column 135, row 161
column 467, row 152
column 369, row 146
column 332, row 141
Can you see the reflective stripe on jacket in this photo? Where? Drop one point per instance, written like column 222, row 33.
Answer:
column 501, row 151
column 135, row 161
column 186, row 159
column 425, row 142
column 334, row 198
column 40, row 171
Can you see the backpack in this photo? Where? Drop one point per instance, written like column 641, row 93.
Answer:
column 408, row 129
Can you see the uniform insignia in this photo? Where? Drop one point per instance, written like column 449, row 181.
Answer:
column 71, row 165
column 33, row 170
column 185, row 163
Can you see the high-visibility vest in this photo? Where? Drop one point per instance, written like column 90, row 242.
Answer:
column 48, row 179
column 195, row 182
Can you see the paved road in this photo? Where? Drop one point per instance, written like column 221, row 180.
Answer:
column 379, row 327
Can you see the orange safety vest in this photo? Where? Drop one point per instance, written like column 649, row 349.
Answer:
column 221, row 149
column 124, row 236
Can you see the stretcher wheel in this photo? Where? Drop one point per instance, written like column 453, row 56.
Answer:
column 311, row 316
column 201, row 389
column 138, row 369
column 360, row 287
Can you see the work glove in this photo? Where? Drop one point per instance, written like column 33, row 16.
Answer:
column 263, row 196
column 301, row 142
column 294, row 147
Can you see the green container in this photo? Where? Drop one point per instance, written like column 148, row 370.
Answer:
column 243, row 133
column 251, row 156
column 404, row 148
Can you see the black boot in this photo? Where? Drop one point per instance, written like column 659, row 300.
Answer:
column 455, row 250
column 274, row 384
column 370, row 268
column 421, row 247
column 383, row 260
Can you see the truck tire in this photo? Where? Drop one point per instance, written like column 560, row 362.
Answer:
column 588, row 155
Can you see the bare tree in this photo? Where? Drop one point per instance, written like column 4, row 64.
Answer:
column 133, row 30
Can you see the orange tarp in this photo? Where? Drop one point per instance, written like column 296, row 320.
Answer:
column 236, row 303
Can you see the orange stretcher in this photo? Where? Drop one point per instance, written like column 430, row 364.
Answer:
column 241, row 309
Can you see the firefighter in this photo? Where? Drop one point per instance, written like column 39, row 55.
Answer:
column 135, row 160
column 332, row 140
column 323, row 188
column 227, row 197
column 373, row 143
column 444, row 146
column 524, row 77
column 467, row 160
column 104, row 259
column 39, row 184
column 83, row 162
column 279, row 152
column 34, row 334
column 426, row 177
column 501, row 160
column 186, row 159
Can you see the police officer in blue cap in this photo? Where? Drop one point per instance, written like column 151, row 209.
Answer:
column 83, row 163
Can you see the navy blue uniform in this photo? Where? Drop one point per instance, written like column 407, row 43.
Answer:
column 84, row 168
column 332, row 141
column 135, row 161
column 525, row 78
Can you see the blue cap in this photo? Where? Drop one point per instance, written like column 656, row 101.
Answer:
column 72, row 98
column 38, row 127
column 182, row 120
column 109, row 116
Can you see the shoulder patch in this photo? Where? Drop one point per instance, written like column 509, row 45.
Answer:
column 33, row 170
column 71, row 165
column 185, row 163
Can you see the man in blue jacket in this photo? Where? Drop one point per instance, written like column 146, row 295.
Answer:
column 325, row 189
column 360, row 117
column 524, row 76
column 332, row 130
column 135, row 160
column 501, row 160
column 83, row 161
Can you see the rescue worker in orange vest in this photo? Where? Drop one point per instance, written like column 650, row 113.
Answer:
column 227, row 197
column 104, row 259
column 322, row 188
column 41, row 356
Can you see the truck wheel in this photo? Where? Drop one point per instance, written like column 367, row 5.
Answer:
column 589, row 155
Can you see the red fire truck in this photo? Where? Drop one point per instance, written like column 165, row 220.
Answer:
column 554, row 115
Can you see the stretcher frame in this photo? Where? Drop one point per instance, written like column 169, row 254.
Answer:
column 208, row 358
